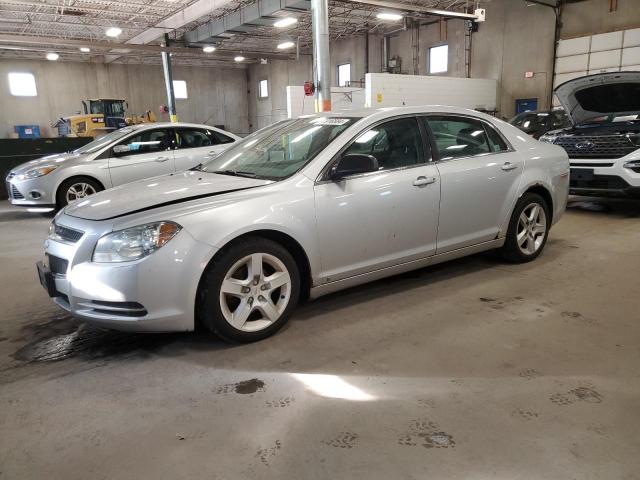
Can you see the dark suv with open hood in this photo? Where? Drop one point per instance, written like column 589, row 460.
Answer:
column 604, row 142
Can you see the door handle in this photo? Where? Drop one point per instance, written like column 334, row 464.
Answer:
column 422, row 181
column 508, row 166
column 212, row 153
column 162, row 159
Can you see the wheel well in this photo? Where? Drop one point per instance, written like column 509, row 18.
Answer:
column 78, row 177
column 296, row 250
column 544, row 193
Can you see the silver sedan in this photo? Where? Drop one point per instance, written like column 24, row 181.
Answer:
column 301, row 209
column 128, row 154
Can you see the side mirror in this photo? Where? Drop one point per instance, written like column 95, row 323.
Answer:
column 353, row 164
column 121, row 150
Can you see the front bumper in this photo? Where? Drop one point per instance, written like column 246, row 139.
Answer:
column 33, row 192
column 603, row 178
column 156, row 293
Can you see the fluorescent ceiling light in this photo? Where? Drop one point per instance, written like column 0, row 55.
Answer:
column 52, row 56
column 85, row 49
column 285, row 45
column 389, row 16
column 239, row 58
column 113, row 31
column 286, row 22
column 209, row 49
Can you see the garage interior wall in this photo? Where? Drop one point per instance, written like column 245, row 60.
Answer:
column 216, row 96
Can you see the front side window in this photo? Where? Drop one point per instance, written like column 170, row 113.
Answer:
column 279, row 151
column 439, row 59
column 458, row 137
column 192, row 138
column 22, row 84
column 344, row 75
column 149, row 141
column 395, row 144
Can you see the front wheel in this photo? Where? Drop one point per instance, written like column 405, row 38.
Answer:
column 75, row 188
column 249, row 290
column 528, row 229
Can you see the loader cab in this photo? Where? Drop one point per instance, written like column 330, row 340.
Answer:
column 112, row 110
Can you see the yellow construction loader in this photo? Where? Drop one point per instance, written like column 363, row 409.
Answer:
column 101, row 116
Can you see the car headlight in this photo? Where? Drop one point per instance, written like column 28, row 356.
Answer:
column 633, row 165
column 134, row 243
column 548, row 138
column 37, row 172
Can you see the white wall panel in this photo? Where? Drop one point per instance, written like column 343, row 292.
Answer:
column 631, row 56
column 632, row 38
column 604, row 70
column 606, row 41
column 573, row 63
column 573, row 46
column 630, row 68
column 565, row 77
column 605, row 59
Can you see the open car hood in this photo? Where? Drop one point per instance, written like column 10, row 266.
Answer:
column 604, row 93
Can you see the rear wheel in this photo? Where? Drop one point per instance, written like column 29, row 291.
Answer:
column 76, row 188
column 528, row 229
column 249, row 291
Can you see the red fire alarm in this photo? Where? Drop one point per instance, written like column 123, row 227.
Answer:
column 164, row 109
column 309, row 89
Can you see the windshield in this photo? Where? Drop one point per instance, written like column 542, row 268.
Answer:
column 278, row 151
column 98, row 143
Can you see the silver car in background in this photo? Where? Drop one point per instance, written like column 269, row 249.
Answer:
column 129, row 154
column 300, row 209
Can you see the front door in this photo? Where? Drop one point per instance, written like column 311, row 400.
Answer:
column 480, row 175
column 147, row 154
column 383, row 218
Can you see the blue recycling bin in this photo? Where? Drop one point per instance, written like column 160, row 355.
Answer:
column 27, row 131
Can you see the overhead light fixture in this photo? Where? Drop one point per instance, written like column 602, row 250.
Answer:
column 285, row 45
column 239, row 58
column 394, row 17
column 208, row 49
column 113, row 31
column 85, row 49
column 286, row 22
column 52, row 56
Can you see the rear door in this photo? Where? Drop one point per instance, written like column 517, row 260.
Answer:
column 197, row 145
column 479, row 173
column 149, row 153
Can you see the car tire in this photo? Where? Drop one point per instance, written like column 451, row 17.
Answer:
column 528, row 229
column 80, row 184
column 231, row 301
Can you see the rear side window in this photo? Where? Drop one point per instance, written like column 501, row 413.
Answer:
column 220, row 137
column 496, row 142
column 192, row 138
column 458, row 136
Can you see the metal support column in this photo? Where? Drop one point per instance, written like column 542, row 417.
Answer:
column 321, row 61
column 168, row 80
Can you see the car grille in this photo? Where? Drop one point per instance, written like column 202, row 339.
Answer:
column 57, row 265
column 607, row 146
column 603, row 182
column 67, row 234
column 15, row 193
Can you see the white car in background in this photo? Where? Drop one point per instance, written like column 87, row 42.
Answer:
column 129, row 154
column 302, row 208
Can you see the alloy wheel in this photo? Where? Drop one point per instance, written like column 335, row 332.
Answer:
column 532, row 228
column 255, row 292
column 79, row 190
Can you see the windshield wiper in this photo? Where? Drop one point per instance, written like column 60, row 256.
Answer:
column 197, row 168
column 236, row 173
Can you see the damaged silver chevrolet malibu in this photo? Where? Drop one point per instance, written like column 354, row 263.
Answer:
column 300, row 209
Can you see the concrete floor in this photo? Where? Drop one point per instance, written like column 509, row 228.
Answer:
column 473, row 369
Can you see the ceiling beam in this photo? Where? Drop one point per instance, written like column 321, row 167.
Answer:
column 416, row 9
column 62, row 42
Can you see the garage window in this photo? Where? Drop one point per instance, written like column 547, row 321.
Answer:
column 344, row 75
column 22, row 84
column 263, row 89
column 180, row 89
column 439, row 59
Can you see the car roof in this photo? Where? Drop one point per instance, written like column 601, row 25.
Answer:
column 384, row 112
column 141, row 126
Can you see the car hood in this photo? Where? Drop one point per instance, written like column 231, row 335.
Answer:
column 57, row 159
column 158, row 192
column 604, row 93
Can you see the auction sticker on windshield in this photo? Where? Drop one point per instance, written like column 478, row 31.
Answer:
column 330, row 121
